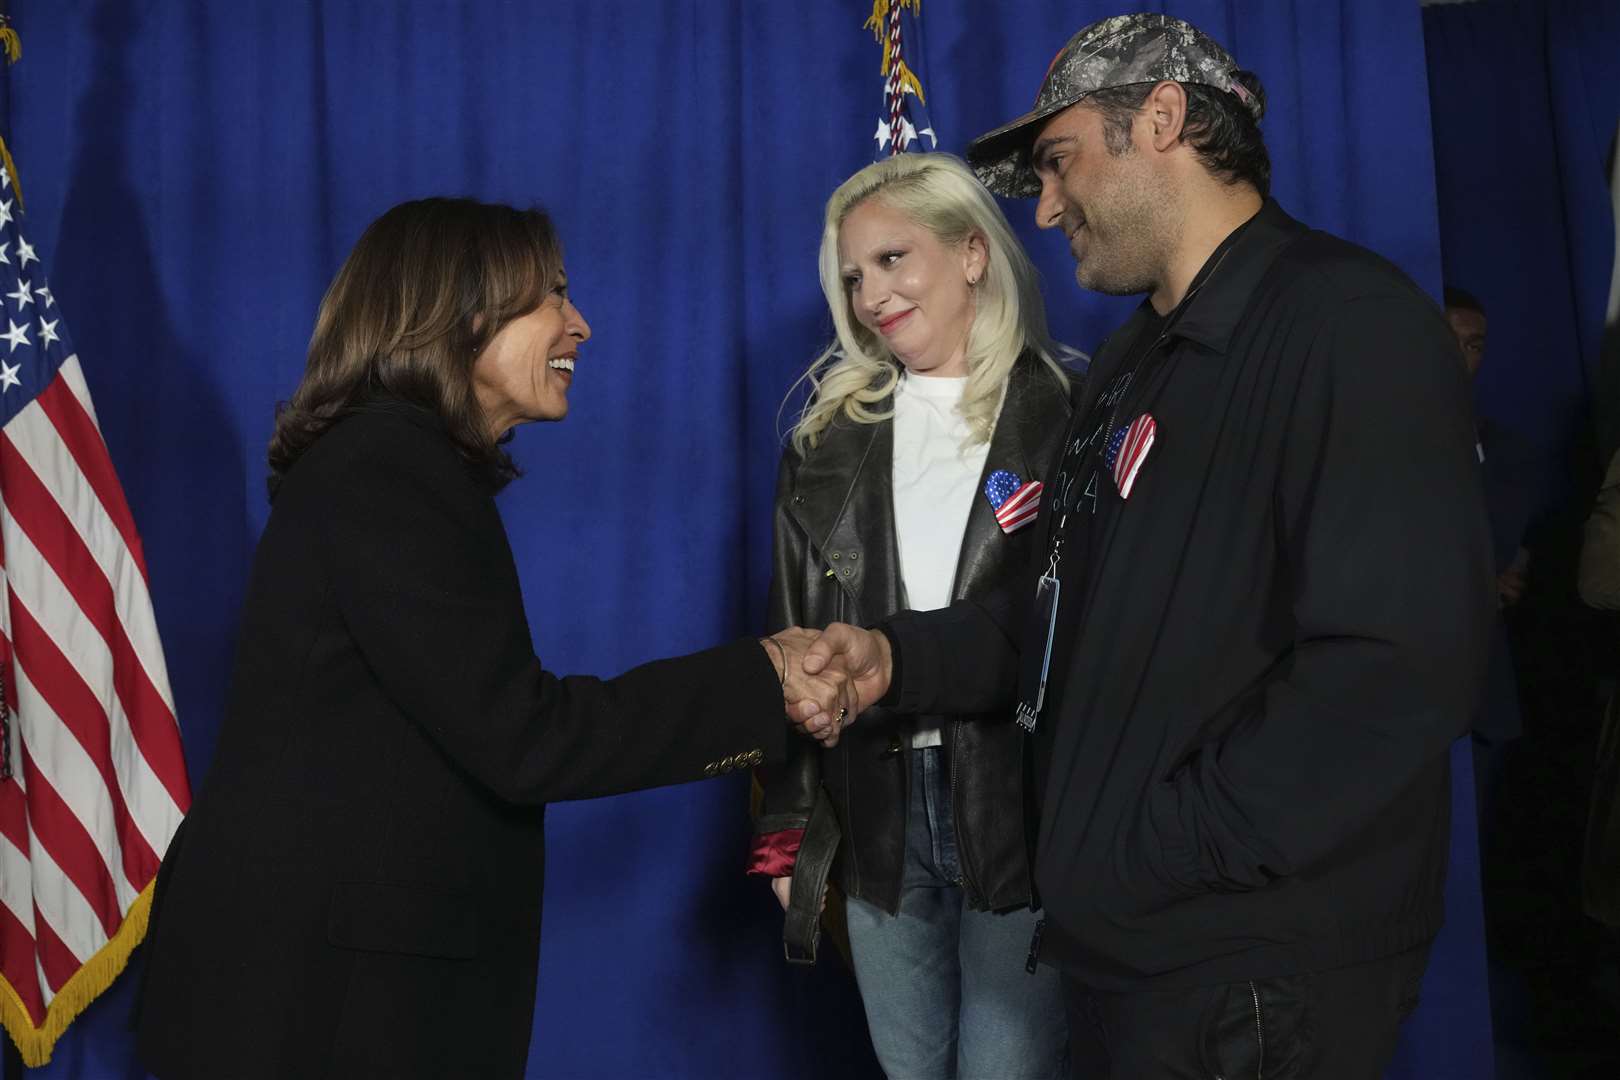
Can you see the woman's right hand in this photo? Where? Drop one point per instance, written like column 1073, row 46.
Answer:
column 821, row 705
column 783, row 888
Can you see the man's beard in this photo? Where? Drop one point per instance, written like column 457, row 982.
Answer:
column 1112, row 281
column 1130, row 236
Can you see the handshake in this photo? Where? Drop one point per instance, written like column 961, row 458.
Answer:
column 829, row 676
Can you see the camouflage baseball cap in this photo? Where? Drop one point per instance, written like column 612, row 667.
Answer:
column 1118, row 51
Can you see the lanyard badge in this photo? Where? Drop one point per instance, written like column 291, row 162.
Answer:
column 1123, row 457
column 1036, row 664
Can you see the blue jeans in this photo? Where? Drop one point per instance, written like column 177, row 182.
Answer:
column 946, row 993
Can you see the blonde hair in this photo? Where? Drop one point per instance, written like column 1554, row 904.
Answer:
column 857, row 370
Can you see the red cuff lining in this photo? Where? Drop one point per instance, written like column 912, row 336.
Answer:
column 774, row 854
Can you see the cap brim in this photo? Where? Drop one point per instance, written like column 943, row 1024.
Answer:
column 1000, row 158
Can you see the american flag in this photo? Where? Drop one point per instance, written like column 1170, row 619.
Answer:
column 1016, row 503
column 97, row 779
column 904, row 120
column 1128, row 449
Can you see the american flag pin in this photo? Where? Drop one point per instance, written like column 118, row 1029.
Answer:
column 1016, row 503
column 1128, row 449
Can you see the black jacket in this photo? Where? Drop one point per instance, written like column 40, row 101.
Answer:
column 1279, row 636
column 836, row 559
column 356, row 892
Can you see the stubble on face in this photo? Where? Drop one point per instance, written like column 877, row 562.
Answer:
column 1131, row 227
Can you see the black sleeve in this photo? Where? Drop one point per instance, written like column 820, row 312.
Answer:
column 958, row 659
column 788, row 790
column 429, row 596
column 964, row 658
column 1382, row 528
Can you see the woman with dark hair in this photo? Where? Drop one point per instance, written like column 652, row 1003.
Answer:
column 356, row 892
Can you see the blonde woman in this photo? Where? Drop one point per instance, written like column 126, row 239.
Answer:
column 941, row 400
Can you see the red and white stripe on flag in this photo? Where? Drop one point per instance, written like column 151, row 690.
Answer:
column 1133, row 451
column 1022, row 507
column 97, row 783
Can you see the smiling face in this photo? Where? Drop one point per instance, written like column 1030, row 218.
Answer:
column 524, row 373
column 1113, row 206
column 909, row 288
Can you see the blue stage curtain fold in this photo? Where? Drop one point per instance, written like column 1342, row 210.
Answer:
column 1525, row 98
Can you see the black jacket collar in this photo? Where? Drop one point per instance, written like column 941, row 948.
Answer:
column 1214, row 311
column 1212, row 315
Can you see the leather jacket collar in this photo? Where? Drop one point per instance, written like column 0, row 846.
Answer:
column 845, row 491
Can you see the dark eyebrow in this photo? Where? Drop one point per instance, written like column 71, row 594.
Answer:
column 1043, row 147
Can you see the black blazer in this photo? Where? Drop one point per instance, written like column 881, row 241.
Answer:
column 356, row 892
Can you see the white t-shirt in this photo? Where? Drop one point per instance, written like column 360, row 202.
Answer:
column 935, row 483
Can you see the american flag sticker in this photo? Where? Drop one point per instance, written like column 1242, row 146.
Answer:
column 1016, row 503
column 1128, row 450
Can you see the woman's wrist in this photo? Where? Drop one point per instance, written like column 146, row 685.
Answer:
column 778, row 660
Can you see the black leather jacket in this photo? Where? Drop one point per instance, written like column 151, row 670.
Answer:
column 836, row 559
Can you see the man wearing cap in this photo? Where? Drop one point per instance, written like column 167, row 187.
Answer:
column 1260, row 611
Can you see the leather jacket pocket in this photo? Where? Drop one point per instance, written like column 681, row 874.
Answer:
column 1259, row 1030
column 411, row 919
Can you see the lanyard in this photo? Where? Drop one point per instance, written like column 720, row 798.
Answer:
column 1067, row 499
column 1035, row 664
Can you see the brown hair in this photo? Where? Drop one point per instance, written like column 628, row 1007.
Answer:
column 1220, row 128
column 424, row 290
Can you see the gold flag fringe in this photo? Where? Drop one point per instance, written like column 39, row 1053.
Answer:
column 908, row 81
column 879, row 26
column 13, row 49
column 11, row 171
column 87, row 984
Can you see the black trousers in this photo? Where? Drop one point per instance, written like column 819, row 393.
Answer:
column 1324, row 1025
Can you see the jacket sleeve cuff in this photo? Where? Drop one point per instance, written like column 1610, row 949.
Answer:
column 891, row 697
column 774, row 854
column 908, row 658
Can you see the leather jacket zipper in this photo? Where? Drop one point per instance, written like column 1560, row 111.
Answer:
column 1034, row 956
column 968, row 880
column 1259, row 1034
column 1259, row 1019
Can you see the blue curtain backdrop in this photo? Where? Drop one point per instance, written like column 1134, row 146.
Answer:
column 1525, row 98
column 195, row 173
